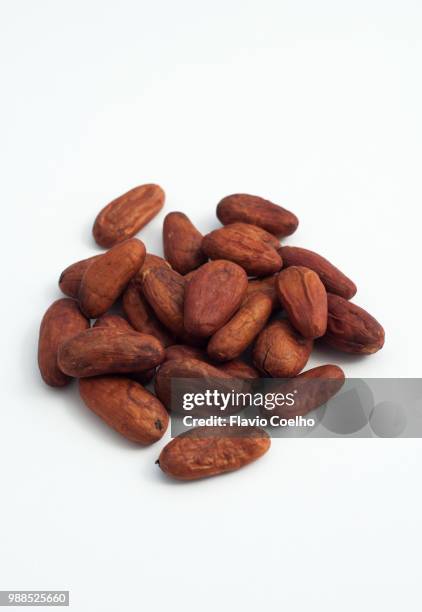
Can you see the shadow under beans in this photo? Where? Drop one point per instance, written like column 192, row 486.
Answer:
column 331, row 355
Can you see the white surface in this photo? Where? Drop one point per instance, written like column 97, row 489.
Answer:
column 314, row 105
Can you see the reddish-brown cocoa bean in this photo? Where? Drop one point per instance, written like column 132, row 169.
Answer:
column 237, row 334
column 333, row 279
column 141, row 315
column 257, row 211
column 62, row 321
column 212, row 296
column 127, row 214
column 125, row 406
column 106, row 277
column 103, row 350
column 280, row 351
column 304, row 298
column 351, row 329
column 208, row 451
column 70, row 278
column 118, row 323
column 256, row 257
column 182, row 243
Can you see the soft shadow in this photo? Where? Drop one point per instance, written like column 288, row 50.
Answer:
column 330, row 355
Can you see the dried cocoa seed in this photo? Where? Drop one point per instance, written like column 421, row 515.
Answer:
column 70, row 278
column 256, row 232
column 182, row 243
column 141, row 315
column 106, row 277
column 126, row 215
column 280, row 351
column 333, row 280
column 256, row 257
column 164, row 290
column 351, row 329
column 208, row 451
column 265, row 285
column 113, row 321
column 118, row 323
column 257, row 211
column 103, row 350
column 235, row 336
column 212, row 296
column 62, row 321
column 126, row 406
column 304, row 298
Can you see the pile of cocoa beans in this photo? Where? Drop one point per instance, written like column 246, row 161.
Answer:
column 132, row 317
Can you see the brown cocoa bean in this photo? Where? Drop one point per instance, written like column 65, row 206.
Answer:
column 141, row 315
column 212, row 296
column 103, row 350
column 235, row 336
column 257, row 211
column 106, row 277
column 333, row 280
column 126, row 406
column 304, row 298
column 126, row 215
column 351, row 329
column 208, row 451
column 280, row 351
column 256, row 257
column 62, row 321
column 182, row 243
column 70, row 278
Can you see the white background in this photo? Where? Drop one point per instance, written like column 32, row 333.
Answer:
column 315, row 105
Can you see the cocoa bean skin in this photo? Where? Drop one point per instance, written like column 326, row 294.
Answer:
column 125, row 406
column 142, row 316
column 235, row 368
column 333, row 279
column 212, row 296
column 102, row 350
column 304, row 298
column 126, row 215
column 182, row 243
column 113, row 321
column 62, row 321
column 257, row 211
column 280, row 351
column 351, row 329
column 209, row 451
column 118, row 323
column 266, row 285
column 253, row 231
column 256, row 257
column 164, row 289
column 237, row 334
column 70, row 278
column 238, row 369
column 106, row 277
